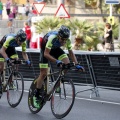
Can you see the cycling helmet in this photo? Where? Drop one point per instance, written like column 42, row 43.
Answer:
column 64, row 32
column 21, row 35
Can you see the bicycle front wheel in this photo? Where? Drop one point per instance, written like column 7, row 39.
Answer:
column 15, row 89
column 62, row 98
column 31, row 106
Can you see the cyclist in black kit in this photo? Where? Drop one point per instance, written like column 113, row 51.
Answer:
column 50, row 50
column 7, row 48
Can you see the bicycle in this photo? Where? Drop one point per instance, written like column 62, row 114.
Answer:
column 14, row 84
column 60, row 91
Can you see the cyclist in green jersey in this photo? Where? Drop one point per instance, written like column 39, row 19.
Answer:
column 7, row 48
column 51, row 50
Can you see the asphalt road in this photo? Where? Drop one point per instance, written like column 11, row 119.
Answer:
column 83, row 109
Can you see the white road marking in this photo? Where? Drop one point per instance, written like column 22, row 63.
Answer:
column 101, row 101
column 87, row 99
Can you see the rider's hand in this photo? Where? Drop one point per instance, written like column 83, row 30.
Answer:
column 28, row 62
column 8, row 60
column 59, row 62
column 79, row 67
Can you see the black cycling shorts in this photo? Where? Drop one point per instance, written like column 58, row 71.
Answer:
column 10, row 51
column 57, row 53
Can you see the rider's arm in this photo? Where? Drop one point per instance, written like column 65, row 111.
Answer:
column 48, row 49
column 3, row 53
column 5, row 46
column 71, row 54
column 24, row 54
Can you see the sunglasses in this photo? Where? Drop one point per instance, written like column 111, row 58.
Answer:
column 63, row 39
column 18, row 39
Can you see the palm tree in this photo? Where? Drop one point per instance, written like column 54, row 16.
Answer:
column 84, row 33
column 82, row 30
column 47, row 24
column 91, row 3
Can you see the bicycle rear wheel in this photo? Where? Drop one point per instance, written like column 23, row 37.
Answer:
column 15, row 89
column 1, row 85
column 62, row 98
column 32, row 108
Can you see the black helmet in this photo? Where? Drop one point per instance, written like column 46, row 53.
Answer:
column 64, row 32
column 21, row 35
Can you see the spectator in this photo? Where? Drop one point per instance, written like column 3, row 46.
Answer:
column 34, row 11
column 23, row 11
column 27, row 8
column 14, row 10
column 16, row 7
column 11, row 16
column 27, row 30
column 8, row 7
column 33, row 43
column 108, row 37
column 10, row 22
column 1, row 9
column 30, row 15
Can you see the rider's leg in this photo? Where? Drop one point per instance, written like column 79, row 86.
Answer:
column 66, row 60
column 1, row 72
column 43, row 65
column 1, row 67
column 1, row 64
column 43, row 74
column 15, row 57
column 40, row 79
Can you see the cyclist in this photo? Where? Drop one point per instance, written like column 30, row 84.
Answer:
column 50, row 50
column 7, row 48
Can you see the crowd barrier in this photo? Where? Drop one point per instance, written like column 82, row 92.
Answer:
column 102, row 69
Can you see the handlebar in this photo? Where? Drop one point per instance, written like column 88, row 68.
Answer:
column 18, row 61
column 68, row 66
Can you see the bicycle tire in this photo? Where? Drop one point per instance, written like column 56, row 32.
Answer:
column 1, row 85
column 15, row 89
column 61, row 97
column 33, row 109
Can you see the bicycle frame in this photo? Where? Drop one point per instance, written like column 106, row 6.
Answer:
column 49, row 76
column 10, row 70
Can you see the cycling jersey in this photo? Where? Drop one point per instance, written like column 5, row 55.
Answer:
column 51, row 41
column 9, row 42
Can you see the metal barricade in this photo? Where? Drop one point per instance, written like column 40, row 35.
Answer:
column 102, row 70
